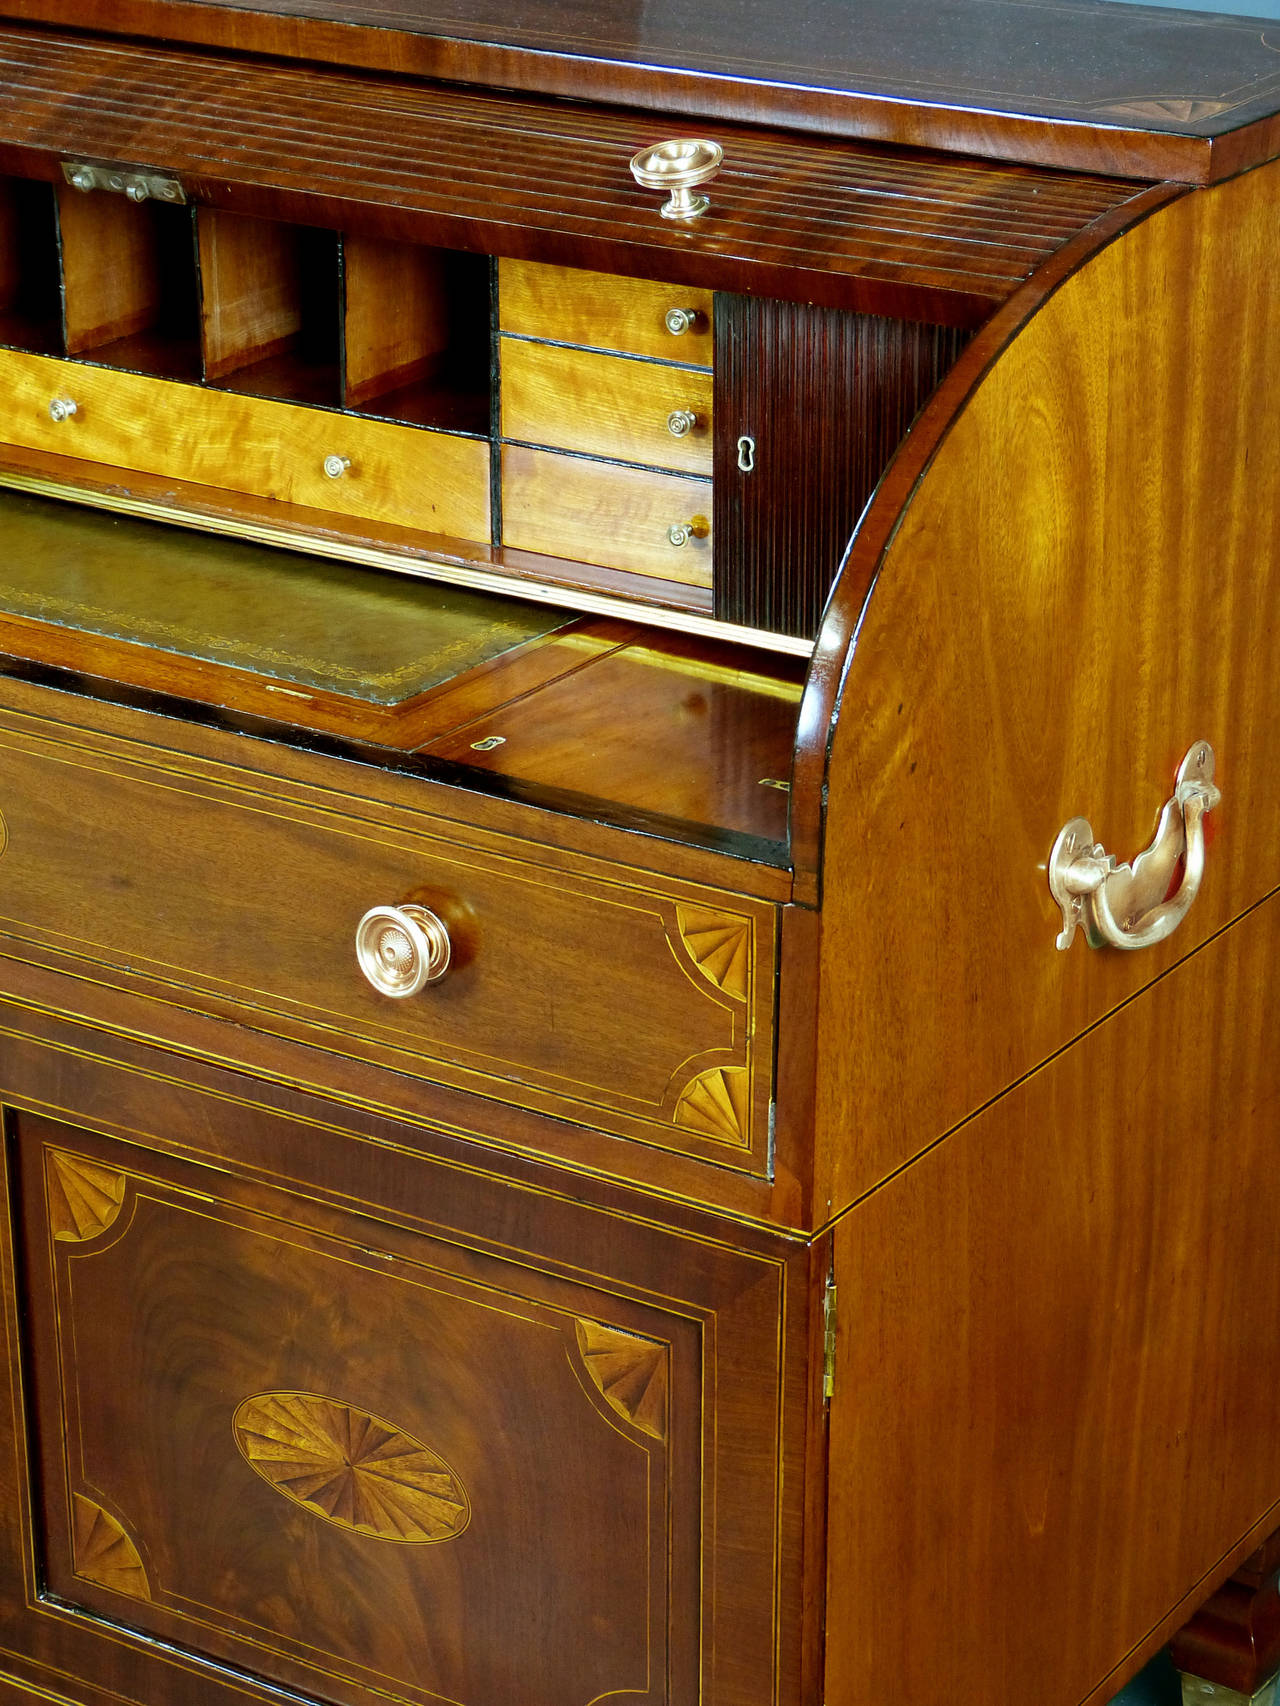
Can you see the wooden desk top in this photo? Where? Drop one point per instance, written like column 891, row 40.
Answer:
column 1093, row 84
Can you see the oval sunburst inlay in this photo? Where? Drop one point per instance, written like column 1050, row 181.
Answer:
column 351, row 1468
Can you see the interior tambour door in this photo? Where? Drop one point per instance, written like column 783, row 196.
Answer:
column 371, row 1465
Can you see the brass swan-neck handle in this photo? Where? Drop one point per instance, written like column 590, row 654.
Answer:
column 1129, row 906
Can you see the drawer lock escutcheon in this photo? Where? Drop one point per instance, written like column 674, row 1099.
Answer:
column 1130, row 906
column 401, row 949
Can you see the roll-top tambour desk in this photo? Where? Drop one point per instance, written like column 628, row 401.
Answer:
column 641, row 815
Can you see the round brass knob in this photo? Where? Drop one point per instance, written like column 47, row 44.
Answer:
column 336, row 466
column 678, row 321
column 678, row 166
column 61, row 409
column 681, row 422
column 401, row 949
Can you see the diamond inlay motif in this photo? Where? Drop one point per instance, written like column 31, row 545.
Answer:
column 350, row 1468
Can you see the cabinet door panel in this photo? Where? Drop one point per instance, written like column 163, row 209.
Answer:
column 365, row 1460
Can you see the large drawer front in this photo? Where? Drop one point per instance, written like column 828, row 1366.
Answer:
column 435, row 481
column 637, row 1005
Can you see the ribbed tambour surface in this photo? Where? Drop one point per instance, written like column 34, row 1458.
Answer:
column 841, row 223
column 825, row 398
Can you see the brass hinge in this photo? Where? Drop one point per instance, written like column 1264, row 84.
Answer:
column 829, row 1339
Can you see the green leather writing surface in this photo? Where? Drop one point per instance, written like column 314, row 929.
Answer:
column 373, row 636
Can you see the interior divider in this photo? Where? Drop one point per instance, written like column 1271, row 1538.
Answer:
column 416, row 332
column 270, row 307
column 129, row 283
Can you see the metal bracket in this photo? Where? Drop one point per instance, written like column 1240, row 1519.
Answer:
column 128, row 181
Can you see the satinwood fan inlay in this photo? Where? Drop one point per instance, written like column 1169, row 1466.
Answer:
column 631, row 1373
column 351, row 1468
column 719, row 944
column 104, row 1553
column 84, row 1196
column 715, row 1104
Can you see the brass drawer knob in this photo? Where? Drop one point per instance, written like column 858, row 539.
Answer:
column 678, row 167
column 61, row 409
column 401, row 949
column 681, row 422
column 681, row 532
column 336, row 466
column 678, row 321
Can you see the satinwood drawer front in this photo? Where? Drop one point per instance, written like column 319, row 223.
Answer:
column 482, row 1461
column 607, row 405
column 668, row 322
column 435, row 481
column 635, row 1005
column 606, row 513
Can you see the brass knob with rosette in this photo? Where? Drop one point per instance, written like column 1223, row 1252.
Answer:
column 678, row 167
column 401, row 949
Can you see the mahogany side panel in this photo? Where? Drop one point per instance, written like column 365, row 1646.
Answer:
column 1071, row 599
column 1055, row 1415
column 834, row 645
column 810, row 404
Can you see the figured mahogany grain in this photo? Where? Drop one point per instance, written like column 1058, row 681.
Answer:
column 1068, row 602
column 1054, row 1378
column 189, row 881
column 340, row 1241
column 847, row 225
column 1159, row 93
column 691, row 730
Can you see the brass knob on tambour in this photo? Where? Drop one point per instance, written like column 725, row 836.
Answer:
column 681, row 532
column 401, row 949
column 681, row 422
column 61, row 409
column 678, row 166
column 336, row 466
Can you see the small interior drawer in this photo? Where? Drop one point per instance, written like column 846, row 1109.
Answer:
column 607, row 513
column 607, row 405
column 605, row 311
column 323, row 460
